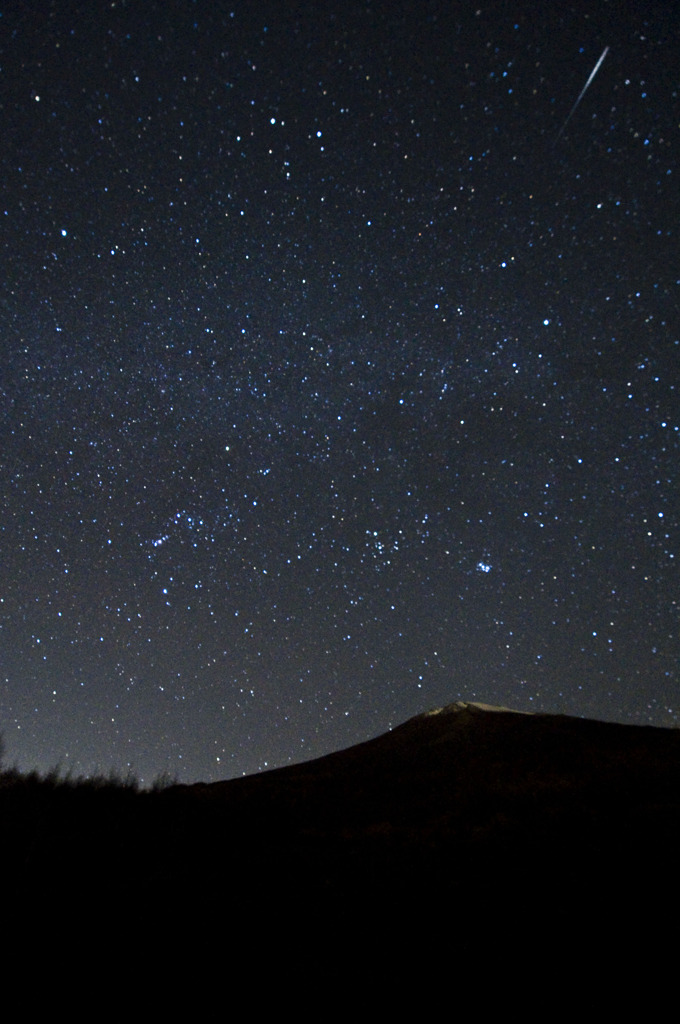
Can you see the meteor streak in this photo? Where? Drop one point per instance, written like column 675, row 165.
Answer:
column 582, row 92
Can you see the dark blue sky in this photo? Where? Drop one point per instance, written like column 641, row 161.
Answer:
column 336, row 384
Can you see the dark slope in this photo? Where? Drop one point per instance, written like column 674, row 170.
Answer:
column 464, row 833
column 473, row 778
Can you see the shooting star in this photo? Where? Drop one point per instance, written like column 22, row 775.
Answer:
column 583, row 90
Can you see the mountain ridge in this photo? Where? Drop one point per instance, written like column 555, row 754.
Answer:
column 448, row 723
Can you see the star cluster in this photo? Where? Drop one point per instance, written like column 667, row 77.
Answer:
column 336, row 383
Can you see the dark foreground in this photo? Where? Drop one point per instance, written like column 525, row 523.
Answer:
column 464, row 837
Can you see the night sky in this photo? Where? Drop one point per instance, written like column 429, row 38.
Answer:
column 339, row 377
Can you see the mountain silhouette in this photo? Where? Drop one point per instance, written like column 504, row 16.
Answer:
column 468, row 832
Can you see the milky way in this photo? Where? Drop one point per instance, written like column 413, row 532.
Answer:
column 332, row 390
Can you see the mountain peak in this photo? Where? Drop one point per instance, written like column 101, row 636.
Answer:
column 464, row 705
